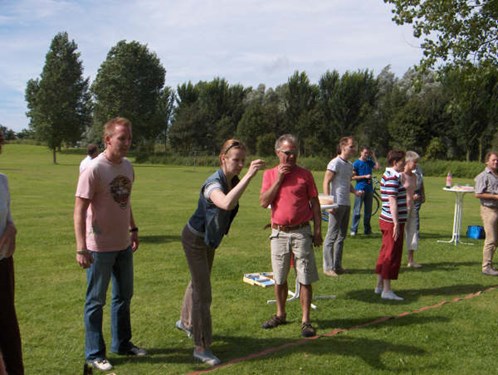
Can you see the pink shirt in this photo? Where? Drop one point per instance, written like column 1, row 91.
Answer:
column 291, row 205
column 108, row 187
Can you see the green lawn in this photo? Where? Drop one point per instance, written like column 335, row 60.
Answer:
column 451, row 339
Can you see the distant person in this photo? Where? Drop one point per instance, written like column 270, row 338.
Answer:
column 10, row 337
column 217, row 206
column 415, row 196
column 92, row 151
column 293, row 196
column 392, row 221
column 337, row 182
column 486, row 189
column 363, row 168
column 106, row 238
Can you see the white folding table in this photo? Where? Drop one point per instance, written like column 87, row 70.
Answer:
column 459, row 191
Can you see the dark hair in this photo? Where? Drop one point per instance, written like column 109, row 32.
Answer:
column 488, row 155
column 92, row 149
column 394, row 156
column 345, row 140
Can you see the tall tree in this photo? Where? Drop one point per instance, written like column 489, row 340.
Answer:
column 166, row 105
column 473, row 107
column 8, row 134
column 346, row 102
column 59, row 105
column 130, row 83
column 210, row 110
column 301, row 111
column 421, row 116
column 454, row 32
column 187, row 130
column 262, row 119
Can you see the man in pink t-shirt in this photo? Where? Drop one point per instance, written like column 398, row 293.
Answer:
column 106, row 238
column 291, row 191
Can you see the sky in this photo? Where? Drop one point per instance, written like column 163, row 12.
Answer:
column 246, row 42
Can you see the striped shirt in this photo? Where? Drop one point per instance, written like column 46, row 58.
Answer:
column 391, row 186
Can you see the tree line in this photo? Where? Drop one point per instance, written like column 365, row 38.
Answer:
column 445, row 114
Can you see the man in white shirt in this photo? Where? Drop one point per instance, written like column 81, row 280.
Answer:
column 337, row 182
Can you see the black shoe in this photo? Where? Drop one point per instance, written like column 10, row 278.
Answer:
column 274, row 321
column 307, row 330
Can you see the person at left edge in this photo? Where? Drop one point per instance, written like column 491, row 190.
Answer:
column 106, row 238
column 216, row 208
column 10, row 338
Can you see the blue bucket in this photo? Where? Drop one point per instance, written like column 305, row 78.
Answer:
column 475, row 232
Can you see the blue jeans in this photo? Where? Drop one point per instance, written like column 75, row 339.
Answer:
column 366, row 199
column 118, row 266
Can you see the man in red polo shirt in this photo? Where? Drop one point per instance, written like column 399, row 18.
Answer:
column 291, row 191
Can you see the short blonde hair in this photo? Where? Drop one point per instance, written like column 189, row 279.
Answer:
column 412, row 156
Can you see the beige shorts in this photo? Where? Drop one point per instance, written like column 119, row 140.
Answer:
column 300, row 243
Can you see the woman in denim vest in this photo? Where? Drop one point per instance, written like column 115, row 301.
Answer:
column 216, row 209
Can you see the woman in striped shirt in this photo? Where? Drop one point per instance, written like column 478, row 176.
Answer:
column 391, row 222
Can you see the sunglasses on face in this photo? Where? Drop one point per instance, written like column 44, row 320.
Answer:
column 289, row 152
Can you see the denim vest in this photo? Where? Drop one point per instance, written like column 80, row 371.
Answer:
column 209, row 220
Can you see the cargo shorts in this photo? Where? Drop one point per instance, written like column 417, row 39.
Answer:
column 298, row 242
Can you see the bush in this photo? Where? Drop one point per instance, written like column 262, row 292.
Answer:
column 436, row 168
column 460, row 169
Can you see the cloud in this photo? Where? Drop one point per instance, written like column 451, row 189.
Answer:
column 243, row 41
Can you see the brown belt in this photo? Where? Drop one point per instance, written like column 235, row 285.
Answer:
column 289, row 228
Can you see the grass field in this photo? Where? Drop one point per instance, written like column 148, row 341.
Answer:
column 457, row 337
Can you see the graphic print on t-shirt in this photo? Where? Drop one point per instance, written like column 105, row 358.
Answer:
column 120, row 190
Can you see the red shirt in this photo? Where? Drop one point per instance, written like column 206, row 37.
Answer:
column 291, row 205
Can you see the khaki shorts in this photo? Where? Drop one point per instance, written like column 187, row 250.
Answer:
column 300, row 243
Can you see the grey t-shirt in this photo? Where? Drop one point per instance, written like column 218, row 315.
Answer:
column 340, row 187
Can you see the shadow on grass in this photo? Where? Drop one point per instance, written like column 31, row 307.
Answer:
column 368, row 350
column 443, row 266
column 371, row 352
column 151, row 239
column 412, row 295
column 447, row 236
column 157, row 355
column 240, row 348
column 368, row 323
column 426, row 267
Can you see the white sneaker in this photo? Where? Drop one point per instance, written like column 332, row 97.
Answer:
column 182, row 327
column 414, row 265
column 378, row 290
column 352, row 234
column 101, row 364
column 208, row 357
column 391, row 296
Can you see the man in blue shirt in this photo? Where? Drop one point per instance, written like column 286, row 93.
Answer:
column 362, row 173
